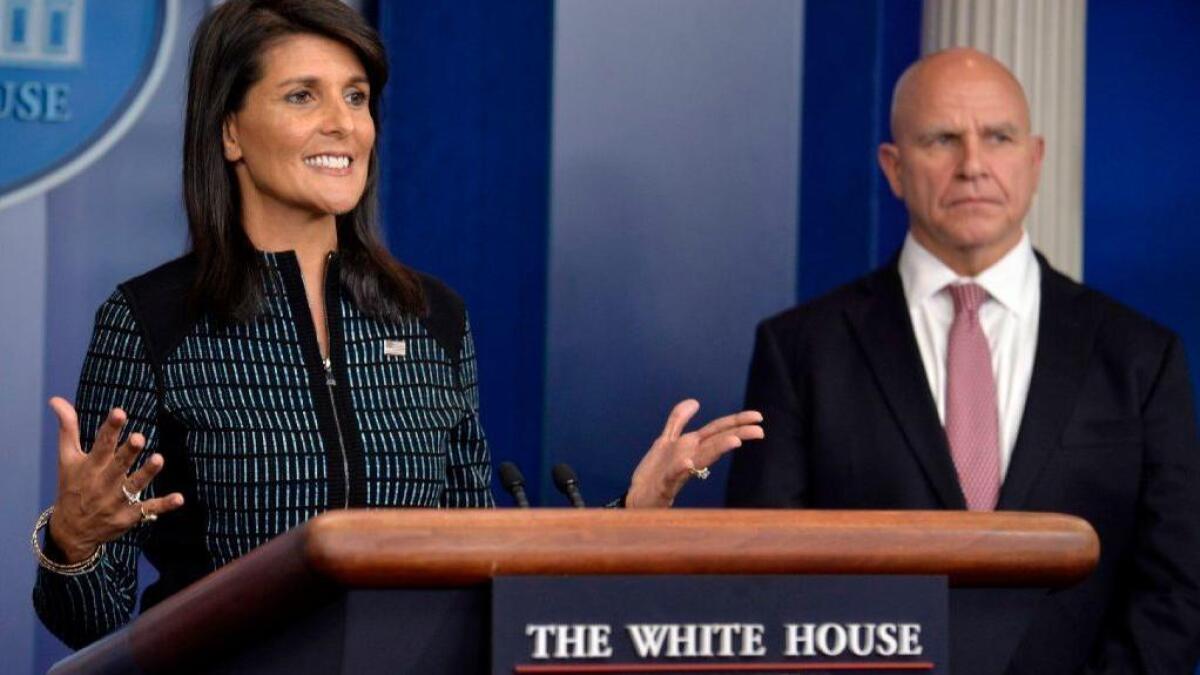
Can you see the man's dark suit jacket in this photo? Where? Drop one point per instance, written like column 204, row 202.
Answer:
column 1108, row 434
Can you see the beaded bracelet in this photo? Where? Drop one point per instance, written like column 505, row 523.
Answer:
column 71, row 569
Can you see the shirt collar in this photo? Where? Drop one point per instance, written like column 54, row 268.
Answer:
column 1012, row 281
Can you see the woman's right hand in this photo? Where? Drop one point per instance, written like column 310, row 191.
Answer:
column 91, row 508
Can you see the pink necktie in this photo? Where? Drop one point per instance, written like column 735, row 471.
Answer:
column 972, row 424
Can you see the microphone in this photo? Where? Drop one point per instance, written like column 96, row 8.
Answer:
column 514, row 483
column 567, row 483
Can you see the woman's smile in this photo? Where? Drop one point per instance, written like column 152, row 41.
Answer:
column 311, row 103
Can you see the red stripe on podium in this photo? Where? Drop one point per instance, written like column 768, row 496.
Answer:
column 862, row 666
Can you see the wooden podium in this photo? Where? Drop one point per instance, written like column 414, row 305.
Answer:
column 407, row 590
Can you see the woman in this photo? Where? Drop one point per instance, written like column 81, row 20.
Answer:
column 287, row 365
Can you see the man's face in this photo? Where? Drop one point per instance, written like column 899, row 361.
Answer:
column 963, row 161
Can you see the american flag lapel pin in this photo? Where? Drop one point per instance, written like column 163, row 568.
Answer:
column 397, row 348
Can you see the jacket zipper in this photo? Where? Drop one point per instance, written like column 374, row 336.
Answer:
column 330, row 385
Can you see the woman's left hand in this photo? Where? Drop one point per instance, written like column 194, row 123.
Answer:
column 676, row 456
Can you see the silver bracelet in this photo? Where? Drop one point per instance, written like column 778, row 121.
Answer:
column 70, row 569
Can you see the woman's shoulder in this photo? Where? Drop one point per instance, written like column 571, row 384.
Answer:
column 157, row 302
column 439, row 296
column 445, row 312
column 164, row 280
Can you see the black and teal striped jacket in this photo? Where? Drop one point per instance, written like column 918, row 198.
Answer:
column 259, row 434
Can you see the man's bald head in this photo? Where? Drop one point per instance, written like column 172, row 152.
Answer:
column 962, row 158
column 955, row 64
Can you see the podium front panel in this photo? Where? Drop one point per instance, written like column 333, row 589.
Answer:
column 693, row 624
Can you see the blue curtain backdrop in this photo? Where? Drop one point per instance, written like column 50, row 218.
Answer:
column 850, row 222
column 466, row 170
column 1141, row 243
column 465, row 158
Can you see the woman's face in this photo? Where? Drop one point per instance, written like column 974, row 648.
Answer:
column 302, row 139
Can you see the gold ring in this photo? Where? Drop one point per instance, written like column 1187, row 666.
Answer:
column 702, row 474
column 146, row 517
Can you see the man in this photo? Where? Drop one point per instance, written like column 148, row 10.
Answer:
column 968, row 373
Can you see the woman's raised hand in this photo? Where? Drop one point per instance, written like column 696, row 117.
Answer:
column 97, row 496
column 676, row 456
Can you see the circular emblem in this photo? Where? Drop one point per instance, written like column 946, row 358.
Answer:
column 74, row 77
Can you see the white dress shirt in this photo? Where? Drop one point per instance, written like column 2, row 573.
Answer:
column 1009, row 318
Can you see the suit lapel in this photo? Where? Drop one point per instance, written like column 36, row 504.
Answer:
column 1065, row 334
column 884, row 331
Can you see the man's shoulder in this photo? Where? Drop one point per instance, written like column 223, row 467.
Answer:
column 831, row 308
column 1117, row 323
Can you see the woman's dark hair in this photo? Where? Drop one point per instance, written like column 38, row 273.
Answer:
column 226, row 61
